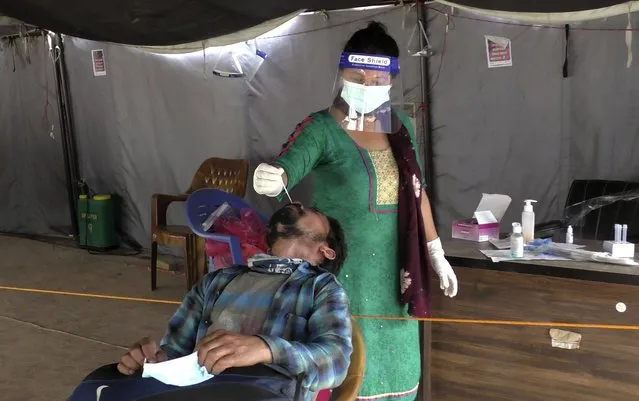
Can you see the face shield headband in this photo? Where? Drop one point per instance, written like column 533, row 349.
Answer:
column 374, row 62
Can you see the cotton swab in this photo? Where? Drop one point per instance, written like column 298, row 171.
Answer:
column 286, row 190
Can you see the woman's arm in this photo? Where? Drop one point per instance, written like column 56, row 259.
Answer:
column 447, row 277
column 427, row 214
column 304, row 150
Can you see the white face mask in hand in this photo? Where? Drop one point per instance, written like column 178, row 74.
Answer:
column 184, row 371
column 365, row 99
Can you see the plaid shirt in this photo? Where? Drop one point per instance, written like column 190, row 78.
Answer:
column 308, row 326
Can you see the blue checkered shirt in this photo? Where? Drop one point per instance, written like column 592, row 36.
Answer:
column 308, row 326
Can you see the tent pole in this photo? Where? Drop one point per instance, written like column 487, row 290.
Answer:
column 426, row 333
column 66, row 129
column 427, row 132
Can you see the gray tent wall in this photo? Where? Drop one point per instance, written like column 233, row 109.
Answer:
column 603, row 119
column 32, row 180
column 147, row 125
column 525, row 130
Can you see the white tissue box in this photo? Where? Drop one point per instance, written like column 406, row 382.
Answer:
column 484, row 225
column 619, row 249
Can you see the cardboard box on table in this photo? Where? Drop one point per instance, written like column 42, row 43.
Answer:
column 485, row 223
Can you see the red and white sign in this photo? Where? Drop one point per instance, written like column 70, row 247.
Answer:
column 99, row 63
column 498, row 52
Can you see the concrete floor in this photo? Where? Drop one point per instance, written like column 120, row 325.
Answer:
column 48, row 342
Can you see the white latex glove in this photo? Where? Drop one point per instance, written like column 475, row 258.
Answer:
column 267, row 180
column 447, row 277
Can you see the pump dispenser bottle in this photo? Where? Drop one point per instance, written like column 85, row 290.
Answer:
column 528, row 221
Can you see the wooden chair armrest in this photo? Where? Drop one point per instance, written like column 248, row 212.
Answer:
column 159, row 205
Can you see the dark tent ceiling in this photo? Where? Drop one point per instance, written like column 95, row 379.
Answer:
column 169, row 22
column 538, row 6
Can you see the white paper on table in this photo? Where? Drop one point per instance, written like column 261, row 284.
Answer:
column 561, row 245
column 504, row 256
column 500, row 243
column 505, row 244
column 184, row 371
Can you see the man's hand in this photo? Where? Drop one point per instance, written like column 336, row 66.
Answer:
column 221, row 350
column 133, row 360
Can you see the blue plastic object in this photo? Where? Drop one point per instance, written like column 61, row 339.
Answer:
column 201, row 203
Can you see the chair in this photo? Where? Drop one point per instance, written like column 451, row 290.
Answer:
column 224, row 174
column 348, row 390
column 199, row 206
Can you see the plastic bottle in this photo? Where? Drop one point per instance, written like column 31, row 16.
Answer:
column 569, row 235
column 528, row 221
column 516, row 242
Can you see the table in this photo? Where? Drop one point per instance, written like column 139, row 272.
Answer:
column 491, row 342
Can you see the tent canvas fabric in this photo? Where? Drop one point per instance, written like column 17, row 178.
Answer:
column 539, row 6
column 547, row 16
column 172, row 22
column 157, row 22
column 146, row 126
column 32, row 179
column 526, row 130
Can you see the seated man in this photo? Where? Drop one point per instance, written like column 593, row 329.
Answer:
column 285, row 310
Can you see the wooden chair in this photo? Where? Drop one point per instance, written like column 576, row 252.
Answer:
column 348, row 390
column 224, row 174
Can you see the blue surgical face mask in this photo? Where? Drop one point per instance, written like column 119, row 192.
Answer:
column 365, row 99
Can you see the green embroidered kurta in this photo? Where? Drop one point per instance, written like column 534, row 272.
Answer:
column 360, row 189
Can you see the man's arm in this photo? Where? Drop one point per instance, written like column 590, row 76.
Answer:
column 324, row 358
column 181, row 333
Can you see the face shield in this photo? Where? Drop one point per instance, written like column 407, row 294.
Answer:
column 366, row 92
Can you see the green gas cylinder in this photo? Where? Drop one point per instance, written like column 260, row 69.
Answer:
column 96, row 222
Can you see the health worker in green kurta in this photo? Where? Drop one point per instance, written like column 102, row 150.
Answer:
column 362, row 155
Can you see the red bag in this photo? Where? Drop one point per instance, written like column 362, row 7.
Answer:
column 248, row 229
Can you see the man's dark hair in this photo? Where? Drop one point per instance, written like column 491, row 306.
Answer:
column 283, row 224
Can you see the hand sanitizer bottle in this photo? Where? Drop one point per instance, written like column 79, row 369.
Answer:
column 569, row 235
column 528, row 221
column 516, row 242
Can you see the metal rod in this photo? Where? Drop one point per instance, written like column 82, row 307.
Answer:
column 66, row 130
column 426, row 328
column 427, row 132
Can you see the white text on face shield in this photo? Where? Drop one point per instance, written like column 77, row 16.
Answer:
column 371, row 60
column 365, row 99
